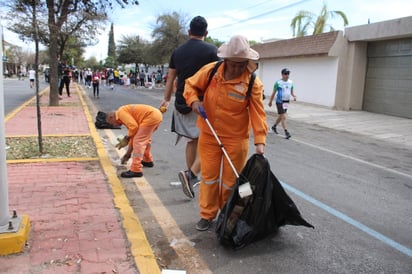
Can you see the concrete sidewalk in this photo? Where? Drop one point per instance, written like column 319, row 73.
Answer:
column 383, row 127
column 81, row 221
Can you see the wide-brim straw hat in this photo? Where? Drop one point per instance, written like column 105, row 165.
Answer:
column 238, row 50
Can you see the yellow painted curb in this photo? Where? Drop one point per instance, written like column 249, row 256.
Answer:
column 15, row 242
column 49, row 135
column 140, row 248
column 51, row 160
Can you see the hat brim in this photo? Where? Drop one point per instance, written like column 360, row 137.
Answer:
column 223, row 52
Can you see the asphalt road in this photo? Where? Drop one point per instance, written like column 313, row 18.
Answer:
column 355, row 190
column 16, row 92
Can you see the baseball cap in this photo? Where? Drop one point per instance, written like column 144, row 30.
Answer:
column 285, row 71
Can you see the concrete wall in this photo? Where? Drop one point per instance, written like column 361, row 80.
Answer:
column 314, row 78
column 357, row 56
column 338, row 79
column 391, row 29
column 351, row 73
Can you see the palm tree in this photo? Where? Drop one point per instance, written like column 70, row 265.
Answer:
column 305, row 20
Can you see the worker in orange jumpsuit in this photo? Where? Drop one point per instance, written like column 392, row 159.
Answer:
column 141, row 121
column 231, row 112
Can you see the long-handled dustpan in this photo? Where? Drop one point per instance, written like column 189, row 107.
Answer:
column 248, row 192
column 203, row 113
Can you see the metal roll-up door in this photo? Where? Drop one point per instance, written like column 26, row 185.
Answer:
column 388, row 88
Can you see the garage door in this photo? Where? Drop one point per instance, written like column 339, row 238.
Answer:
column 388, row 87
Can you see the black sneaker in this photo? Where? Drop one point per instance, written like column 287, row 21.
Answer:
column 130, row 174
column 187, row 181
column 203, row 225
column 147, row 164
column 274, row 129
column 287, row 134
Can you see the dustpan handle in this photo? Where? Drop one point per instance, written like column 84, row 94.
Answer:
column 203, row 113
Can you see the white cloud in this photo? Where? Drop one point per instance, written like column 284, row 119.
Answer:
column 225, row 18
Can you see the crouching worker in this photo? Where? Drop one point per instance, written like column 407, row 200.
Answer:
column 141, row 122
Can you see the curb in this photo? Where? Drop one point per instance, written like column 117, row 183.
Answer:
column 139, row 245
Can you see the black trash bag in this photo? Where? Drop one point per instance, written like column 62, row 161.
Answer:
column 101, row 121
column 245, row 220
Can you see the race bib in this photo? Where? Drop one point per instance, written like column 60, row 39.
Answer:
column 285, row 106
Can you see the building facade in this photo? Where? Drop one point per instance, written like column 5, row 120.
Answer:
column 367, row 67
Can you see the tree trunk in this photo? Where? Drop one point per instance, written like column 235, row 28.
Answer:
column 54, row 31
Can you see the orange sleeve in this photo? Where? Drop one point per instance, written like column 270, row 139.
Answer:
column 195, row 86
column 257, row 113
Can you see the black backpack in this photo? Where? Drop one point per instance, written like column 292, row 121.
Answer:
column 101, row 121
column 245, row 220
column 251, row 81
column 184, row 109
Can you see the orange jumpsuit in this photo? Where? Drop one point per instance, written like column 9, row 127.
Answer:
column 232, row 115
column 141, row 121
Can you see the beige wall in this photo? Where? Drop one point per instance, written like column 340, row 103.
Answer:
column 351, row 73
column 357, row 56
column 338, row 79
column 391, row 29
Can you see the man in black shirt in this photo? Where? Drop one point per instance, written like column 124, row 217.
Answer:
column 185, row 61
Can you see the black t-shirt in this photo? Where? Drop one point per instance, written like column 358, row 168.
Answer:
column 187, row 59
column 60, row 68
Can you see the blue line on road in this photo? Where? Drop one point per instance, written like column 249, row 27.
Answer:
column 340, row 215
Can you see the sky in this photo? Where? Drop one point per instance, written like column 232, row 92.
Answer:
column 258, row 20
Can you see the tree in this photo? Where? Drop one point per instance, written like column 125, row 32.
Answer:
column 81, row 26
column 93, row 63
column 111, row 51
column 169, row 34
column 306, row 20
column 34, row 3
column 58, row 18
column 29, row 8
column 132, row 49
column 213, row 41
column 73, row 51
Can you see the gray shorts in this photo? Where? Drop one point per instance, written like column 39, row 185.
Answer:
column 185, row 124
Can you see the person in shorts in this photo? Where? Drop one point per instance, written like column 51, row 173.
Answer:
column 282, row 90
column 185, row 61
column 32, row 76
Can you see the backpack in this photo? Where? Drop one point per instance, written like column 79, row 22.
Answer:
column 245, row 220
column 101, row 121
column 251, row 81
column 184, row 109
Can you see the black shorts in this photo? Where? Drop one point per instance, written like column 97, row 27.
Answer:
column 282, row 107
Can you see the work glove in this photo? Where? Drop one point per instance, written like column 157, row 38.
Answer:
column 122, row 142
column 125, row 158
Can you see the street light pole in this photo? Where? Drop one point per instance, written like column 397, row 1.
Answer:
column 14, row 230
column 4, row 198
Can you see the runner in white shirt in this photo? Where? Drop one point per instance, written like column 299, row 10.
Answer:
column 32, row 76
column 283, row 90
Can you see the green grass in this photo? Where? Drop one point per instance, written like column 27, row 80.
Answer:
column 18, row 148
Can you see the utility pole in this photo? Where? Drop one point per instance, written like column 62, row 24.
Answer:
column 14, row 230
column 4, row 198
